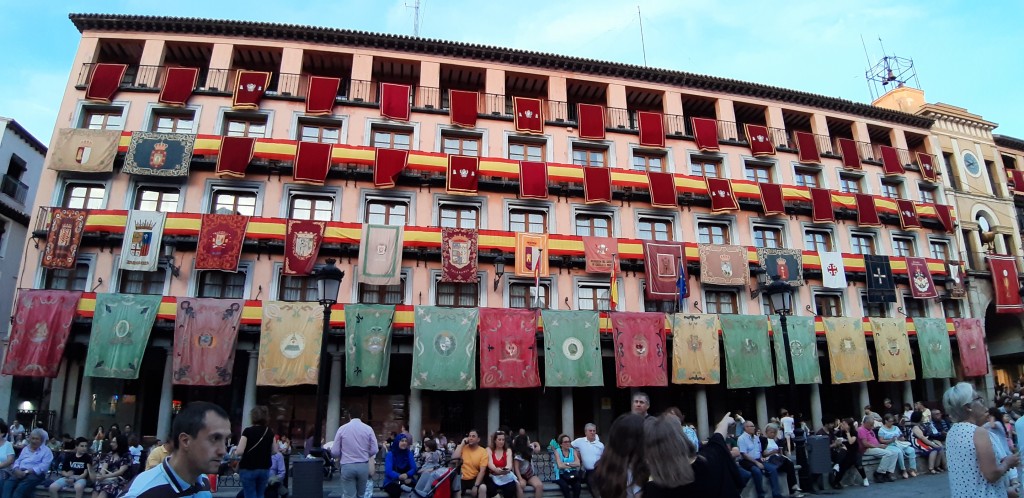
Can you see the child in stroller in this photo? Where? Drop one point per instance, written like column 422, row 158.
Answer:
column 435, row 483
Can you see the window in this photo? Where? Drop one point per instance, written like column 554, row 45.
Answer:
column 311, row 207
column 453, row 215
column 863, row 243
column 594, row 296
column 927, row 193
column 143, row 282
column 758, row 172
column 703, row 166
column 594, row 224
column 387, row 212
column 525, row 295
column 161, row 199
column 709, row 232
column 84, row 195
column 76, row 279
column 16, row 167
column 722, row 302
column 903, row 246
column 458, row 295
column 877, row 310
column 806, row 177
column 646, row 161
column 767, row 236
column 650, row 228
column 322, row 132
column 589, row 156
column 826, row 304
column 460, row 144
column 392, row 138
column 939, row 249
column 818, row 240
column 526, row 150
column 227, row 201
column 241, row 126
column 892, row 190
column 221, row 284
column 173, row 122
column 657, row 306
column 951, row 308
column 914, row 307
column 527, row 220
column 850, row 184
column 103, row 118
column 297, row 288
column 382, row 294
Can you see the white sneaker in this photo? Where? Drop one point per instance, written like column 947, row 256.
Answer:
column 866, row 483
column 835, row 467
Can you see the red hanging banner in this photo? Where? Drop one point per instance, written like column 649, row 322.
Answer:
column 771, row 199
column 591, row 121
column 533, row 180
column 848, row 149
column 927, row 163
column 528, row 115
column 312, row 162
column 908, row 214
column 599, row 253
column 462, row 175
column 821, row 205
column 464, row 107
column 220, row 241
column 205, row 332
column 597, row 185
column 705, row 133
column 249, row 89
column 40, row 327
column 64, row 238
column 945, row 216
column 722, row 196
column 459, row 255
column 663, row 189
column 394, row 101
column 235, row 155
column 891, row 164
column 970, row 338
column 508, row 348
column 759, row 139
column 663, row 265
column 921, row 284
column 807, row 148
column 321, row 94
column 387, row 165
column 106, row 79
column 302, row 239
column 652, row 128
column 640, row 353
column 179, row 83
column 1018, row 180
column 1006, row 283
column 867, row 215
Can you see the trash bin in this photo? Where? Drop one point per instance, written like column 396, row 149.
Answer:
column 307, row 477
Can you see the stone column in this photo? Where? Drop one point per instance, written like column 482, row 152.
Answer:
column 929, row 389
column 333, row 420
column 7, row 382
column 163, row 420
column 908, row 393
column 84, row 408
column 57, row 392
column 493, row 412
column 815, row 406
column 762, row 408
column 945, row 387
column 865, row 398
column 703, row 426
column 416, row 414
column 68, row 405
column 249, row 401
column 567, row 412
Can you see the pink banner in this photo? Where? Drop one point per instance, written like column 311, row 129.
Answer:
column 640, row 355
column 508, row 348
column 39, row 332
column 205, row 331
column 970, row 337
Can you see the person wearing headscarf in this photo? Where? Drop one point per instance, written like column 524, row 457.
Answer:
column 399, row 466
column 30, row 468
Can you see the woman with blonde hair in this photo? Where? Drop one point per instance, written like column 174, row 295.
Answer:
column 974, row 470
column 676, row 469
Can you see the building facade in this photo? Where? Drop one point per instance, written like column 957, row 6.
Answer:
column 819, row 146
column 23, row 155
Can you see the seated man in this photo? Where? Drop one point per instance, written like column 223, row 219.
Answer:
column 753, row 461
column 74, row 470
column 474, row 464
column 940, row 426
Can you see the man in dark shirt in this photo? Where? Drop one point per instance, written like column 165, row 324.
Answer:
column 74, row 470
column 940, row 425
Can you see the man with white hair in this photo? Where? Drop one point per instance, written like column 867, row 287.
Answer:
column 30, row 468
column 869, row 445
column 591, row 448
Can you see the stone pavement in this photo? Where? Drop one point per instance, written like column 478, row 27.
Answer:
column 932, row 486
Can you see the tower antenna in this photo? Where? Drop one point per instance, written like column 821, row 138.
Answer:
column 415, row 17
column 643, row 46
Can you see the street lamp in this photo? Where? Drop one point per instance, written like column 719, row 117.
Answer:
column 780, row 294
column 328, row 283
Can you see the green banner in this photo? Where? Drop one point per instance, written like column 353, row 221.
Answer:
column 121, row 326
column 803, row 347
column 368, row 344
column 748, row 354
column 933, row 344
column 572, row 348
column 444, row 349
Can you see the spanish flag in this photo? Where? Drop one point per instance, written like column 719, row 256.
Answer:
column 614, row 287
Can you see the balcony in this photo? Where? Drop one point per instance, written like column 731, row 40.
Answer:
column 14, row 189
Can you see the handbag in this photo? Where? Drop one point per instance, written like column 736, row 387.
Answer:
column 902, row 444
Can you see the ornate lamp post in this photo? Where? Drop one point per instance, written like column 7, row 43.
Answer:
column 780, row 293
column 328, row 282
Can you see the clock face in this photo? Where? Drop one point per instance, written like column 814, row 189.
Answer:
column 971, row 163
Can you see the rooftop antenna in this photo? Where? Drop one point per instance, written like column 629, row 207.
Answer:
column 415, row 17
column 890, row 72
column 643, row 46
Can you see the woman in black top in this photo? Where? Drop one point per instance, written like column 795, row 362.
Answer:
column 847, row 434
column 255, row 447
column 677, row 470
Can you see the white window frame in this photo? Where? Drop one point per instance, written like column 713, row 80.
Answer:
column 925, row 305
column 578, row 281
column 741, row 305
column 84, row 106
column 538, row 139
column 773, row 165
column 941, row 240
column 88, row 258
column 756, row 223
column 901, row 187
column 481, row 287
column 923, row 187
column 805, row 226
column 68, row 178
column 480, row 134
column 511, row 204
column 480, row 203
column 816, row 290
column 907, row 236
column 664, row 215
column 862, row 292
column 607, row 145
column 406, row 196
column 549, row 281
column 153, row 110
column 354, row 285
column 859, row 176
column 611, row 211
column 139, row 183
column 810, row 168
column 293, row 189
column 215, row 184
column 116, row 274
column 224, row 113
column 373, row 124
column 245, row 265
column 699, row 218
column 723, row 162
column 300, row 118
column 868, row 232
column 667, row 160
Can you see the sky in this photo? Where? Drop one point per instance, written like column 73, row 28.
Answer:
column 965, row 53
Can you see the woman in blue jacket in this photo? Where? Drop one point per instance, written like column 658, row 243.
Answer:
column 399, row 467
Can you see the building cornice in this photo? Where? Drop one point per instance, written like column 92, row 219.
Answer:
column 1009, row 142
column 401, row 43
column 25, row 135
column 954, row 114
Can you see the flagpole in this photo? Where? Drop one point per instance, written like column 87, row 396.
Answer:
column 536, row 278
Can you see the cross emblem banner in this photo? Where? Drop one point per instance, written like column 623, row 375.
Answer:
column 881, row 288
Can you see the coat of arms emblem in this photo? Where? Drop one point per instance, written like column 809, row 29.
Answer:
column 460, row 246
column 304, row 243
column 158, row 158
column 83, row 152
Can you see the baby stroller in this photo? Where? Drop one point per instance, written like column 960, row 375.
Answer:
column 436, row 483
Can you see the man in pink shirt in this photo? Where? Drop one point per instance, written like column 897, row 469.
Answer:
column 355, row 445
column 870, row 446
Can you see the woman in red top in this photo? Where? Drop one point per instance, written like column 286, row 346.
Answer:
column 499, row 466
